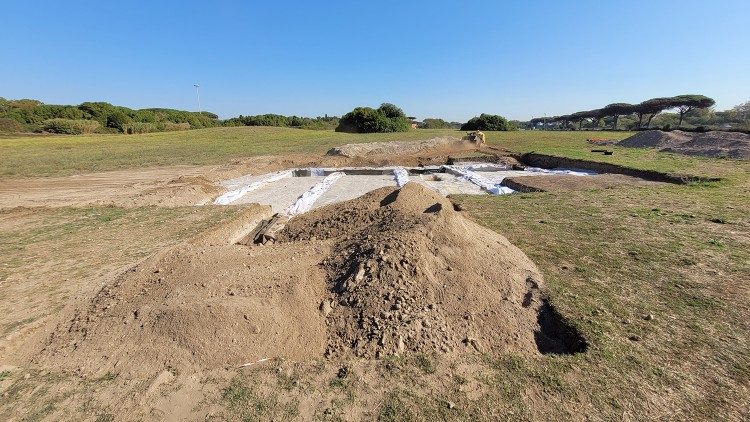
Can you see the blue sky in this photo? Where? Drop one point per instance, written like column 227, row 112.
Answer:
column 442, row 59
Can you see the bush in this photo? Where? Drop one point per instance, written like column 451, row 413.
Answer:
column 172, row 127
column 488, row 122
column 118, row 120
column 70, row 126
column 387, row 118
column 435, row 124
column 10, row 126
column 139, row 127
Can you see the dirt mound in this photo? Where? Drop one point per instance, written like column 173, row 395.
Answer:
column 408, row 273
column 655, row 139
column 199, row 305
column 714, row 144
column 442, row 144
column 181, row 191
column 396, row 270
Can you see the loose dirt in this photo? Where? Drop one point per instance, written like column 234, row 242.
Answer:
column 445, row 144
column 392, row 272
column 408, row 273
column 715, row 144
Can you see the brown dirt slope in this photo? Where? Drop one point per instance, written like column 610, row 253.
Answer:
column 200, row 305
column 714, row 144
column 434, row 145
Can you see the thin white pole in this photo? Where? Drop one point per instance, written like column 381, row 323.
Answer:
column 198, row 96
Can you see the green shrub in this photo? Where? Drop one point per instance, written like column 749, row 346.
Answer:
column 488, row 122
column 139, row 127
column 8, row 125
column 435, row 124
column 171, row 127
column 70, row 126
column 118, row 120
column 387, row 118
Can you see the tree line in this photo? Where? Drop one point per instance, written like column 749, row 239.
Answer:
column 34, row 116
column 683, row 104
column 100, row 117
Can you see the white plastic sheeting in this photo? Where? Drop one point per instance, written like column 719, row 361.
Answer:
column 305, row 202
column 563, row 171
column 401, row 176
column 473, row 177
column 483, row 166
column 236, row 194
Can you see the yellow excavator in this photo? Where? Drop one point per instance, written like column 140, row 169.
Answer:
column 476, row 136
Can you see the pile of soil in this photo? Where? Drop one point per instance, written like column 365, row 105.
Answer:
column 440, row 144
column 408, row 273
column 715, row 144
column 180, row 191
column 202, row 304
column 394, row 271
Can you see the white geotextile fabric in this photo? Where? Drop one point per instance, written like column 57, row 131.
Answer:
column 401, row 176
column 236, row 194
column 473, row 177
column 571, row 172
column 305, row 202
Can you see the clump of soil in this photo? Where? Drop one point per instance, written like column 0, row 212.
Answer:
column 408, row 273
column 440, row 144
column 715, row 144
column 391, row 272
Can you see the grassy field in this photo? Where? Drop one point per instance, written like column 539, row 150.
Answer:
column 656, row 278
column 63, row 155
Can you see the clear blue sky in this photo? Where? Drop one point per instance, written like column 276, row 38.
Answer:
column 433, row 58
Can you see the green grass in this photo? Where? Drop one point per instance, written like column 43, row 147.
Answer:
column 65, row 155
column 62, row 155
column 610, row 257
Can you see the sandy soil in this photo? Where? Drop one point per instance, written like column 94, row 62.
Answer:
column 446, row 145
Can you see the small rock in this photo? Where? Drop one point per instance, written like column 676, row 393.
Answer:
column 325, row 307
column 360, row 274
column 26, row 376
column 649, row 317
column 451, row 405
column 400, row 345
column 634, row 338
